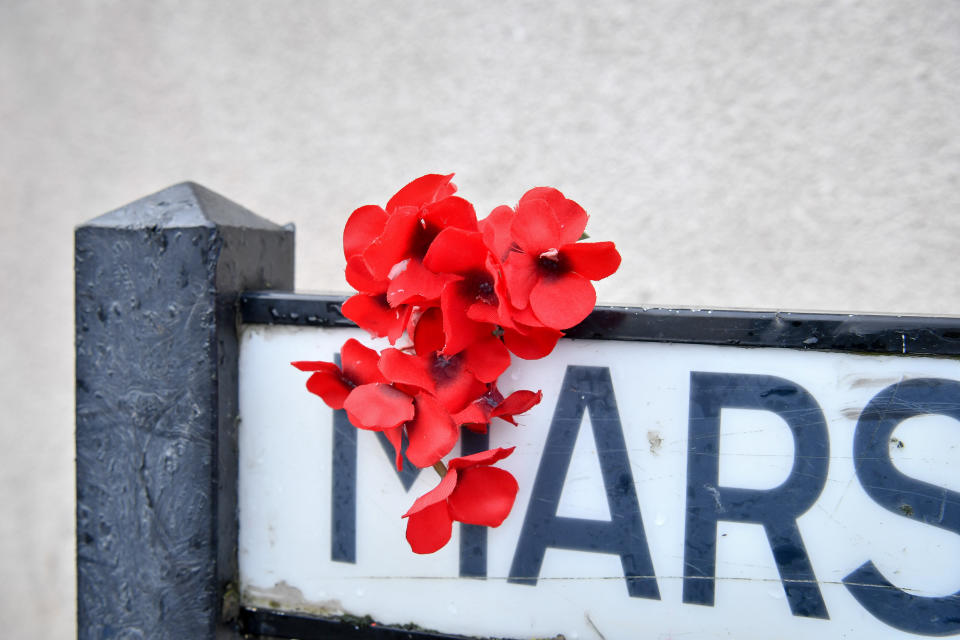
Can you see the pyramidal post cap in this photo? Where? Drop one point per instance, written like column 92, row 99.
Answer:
column 183, row 205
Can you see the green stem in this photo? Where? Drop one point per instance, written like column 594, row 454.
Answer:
column 440, row 468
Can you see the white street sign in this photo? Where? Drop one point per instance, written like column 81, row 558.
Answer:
column 666, row 490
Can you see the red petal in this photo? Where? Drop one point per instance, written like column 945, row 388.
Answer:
column 416, row 312
column 472, row 414
column 359, row 277
column 458, row 328
column 432, row 433
column 428, row 336
column 476, row 427
column 430, row 529
column 517, row 402
column 403, row 319
column 520, row 272
column 378, row 407
column 457, row 251
column 487, row 359
column 504, row 304
column 564, row 300
column 593, row 260
column 438, row 494
column 423, row 190
column 415, row 283
column 395, row 437
column 484, row 312
column 372, row 313
column 484, row 458
column 496, row 230
column 536, row 228
column 394, row 244
column 572, row 217
column 330, row 386
column 404, row 368
column 316, row 365
column 534, row 344
column 456, row 386
column 362, row 228
column 409, row 389
column 360, row 363
column 484, row 496
column 524, row 319
column 451, row 212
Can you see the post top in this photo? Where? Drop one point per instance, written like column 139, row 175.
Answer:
column 186, row 204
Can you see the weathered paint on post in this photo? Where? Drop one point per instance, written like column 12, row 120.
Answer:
column 157, row 283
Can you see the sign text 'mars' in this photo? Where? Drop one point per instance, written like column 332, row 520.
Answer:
column 589, row 389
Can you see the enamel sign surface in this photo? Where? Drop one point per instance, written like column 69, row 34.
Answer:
column 666, row 490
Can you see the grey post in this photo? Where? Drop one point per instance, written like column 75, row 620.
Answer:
column 157, row 283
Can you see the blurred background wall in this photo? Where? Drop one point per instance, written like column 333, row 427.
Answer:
column 794, row 155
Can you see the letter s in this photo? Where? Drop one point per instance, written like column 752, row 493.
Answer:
column 893, row 490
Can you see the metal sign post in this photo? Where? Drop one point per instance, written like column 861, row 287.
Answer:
column 156, row 335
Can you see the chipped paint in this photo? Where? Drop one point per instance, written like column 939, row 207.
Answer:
column 289, row 598
column 656, row 442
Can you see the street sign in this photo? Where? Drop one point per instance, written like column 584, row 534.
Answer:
column 666, row 490
column 708, row 473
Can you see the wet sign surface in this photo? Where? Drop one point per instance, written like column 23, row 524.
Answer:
column 665, row 490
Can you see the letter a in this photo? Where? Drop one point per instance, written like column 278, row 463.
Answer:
column 586, row 389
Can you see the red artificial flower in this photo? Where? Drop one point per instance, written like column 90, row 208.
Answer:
column 333, row 383
column 467, row 294
column 369, row 308
column 548, row 270
column 492, row 404
column 412, row 224
column 367, row 223
column 449, row 379
column 474, row 299
column 372, row 403
column 472, row 492
column 384, row 248
column 458, row 379
column 366, row 395
column 431, row 431
column 375, row 241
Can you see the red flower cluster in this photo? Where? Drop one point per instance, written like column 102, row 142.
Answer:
column 467, row 294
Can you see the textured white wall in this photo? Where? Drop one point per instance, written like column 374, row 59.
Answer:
column 794, row 155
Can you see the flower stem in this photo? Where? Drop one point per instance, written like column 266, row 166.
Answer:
column 440, row 468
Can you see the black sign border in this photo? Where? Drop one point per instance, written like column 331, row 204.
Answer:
column 852, row 333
